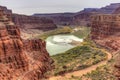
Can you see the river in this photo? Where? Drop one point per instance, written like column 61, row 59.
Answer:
column 61, row 43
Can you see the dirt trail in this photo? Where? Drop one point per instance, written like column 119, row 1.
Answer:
column 84, row 71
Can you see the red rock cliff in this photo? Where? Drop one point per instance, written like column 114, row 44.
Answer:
column 19, row 59
column 32, row 22
column 40, row 61
column 106, row 30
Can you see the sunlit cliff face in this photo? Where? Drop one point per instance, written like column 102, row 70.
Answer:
column 20, row 59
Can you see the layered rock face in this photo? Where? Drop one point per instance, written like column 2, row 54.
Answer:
column 109, row 9
column 104, row 25
column 32, row 22
column 106, row 30
column 20, row 59
column 81, row 18
column 59, row 18
column 7, row 12
column 39, row 60
column 11, row 50
column 117, row 11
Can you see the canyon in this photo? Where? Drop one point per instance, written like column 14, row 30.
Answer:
column 27, row 59
column 49, row 21
column 20, row 59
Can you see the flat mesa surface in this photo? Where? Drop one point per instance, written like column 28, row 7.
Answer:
column 61, row 43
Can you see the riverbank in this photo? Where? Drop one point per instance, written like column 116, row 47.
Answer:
column 63, row 39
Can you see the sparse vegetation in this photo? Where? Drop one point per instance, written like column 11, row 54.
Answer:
column 80, row 57
column 63, row 30
column 82, row 32
column 104, row 72
column 77, row 58
column 101, row 73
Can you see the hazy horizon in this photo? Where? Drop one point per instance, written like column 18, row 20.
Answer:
column 30, row 7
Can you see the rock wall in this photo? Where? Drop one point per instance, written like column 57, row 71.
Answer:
column 104, row 25
column 20, row 59
column 81, row 18
column 7, row 12
column 106, row 32
column 32, row 22
column 40, row 61
column 29, row 22
column 59, row 18
column 11, row 48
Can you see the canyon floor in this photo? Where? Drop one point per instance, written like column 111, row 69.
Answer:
column 79, row 73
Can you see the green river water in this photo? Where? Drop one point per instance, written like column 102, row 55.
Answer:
column 60, row 43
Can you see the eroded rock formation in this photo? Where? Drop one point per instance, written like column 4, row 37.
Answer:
column 32, row 22
column 106, row 32
column 20, row 59
column 58, row 18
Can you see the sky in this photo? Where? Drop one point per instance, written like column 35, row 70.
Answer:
column 30, row 7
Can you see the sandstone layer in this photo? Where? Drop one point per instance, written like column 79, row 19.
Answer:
column 32, row 22
column 20, row 59
column 106, row 30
